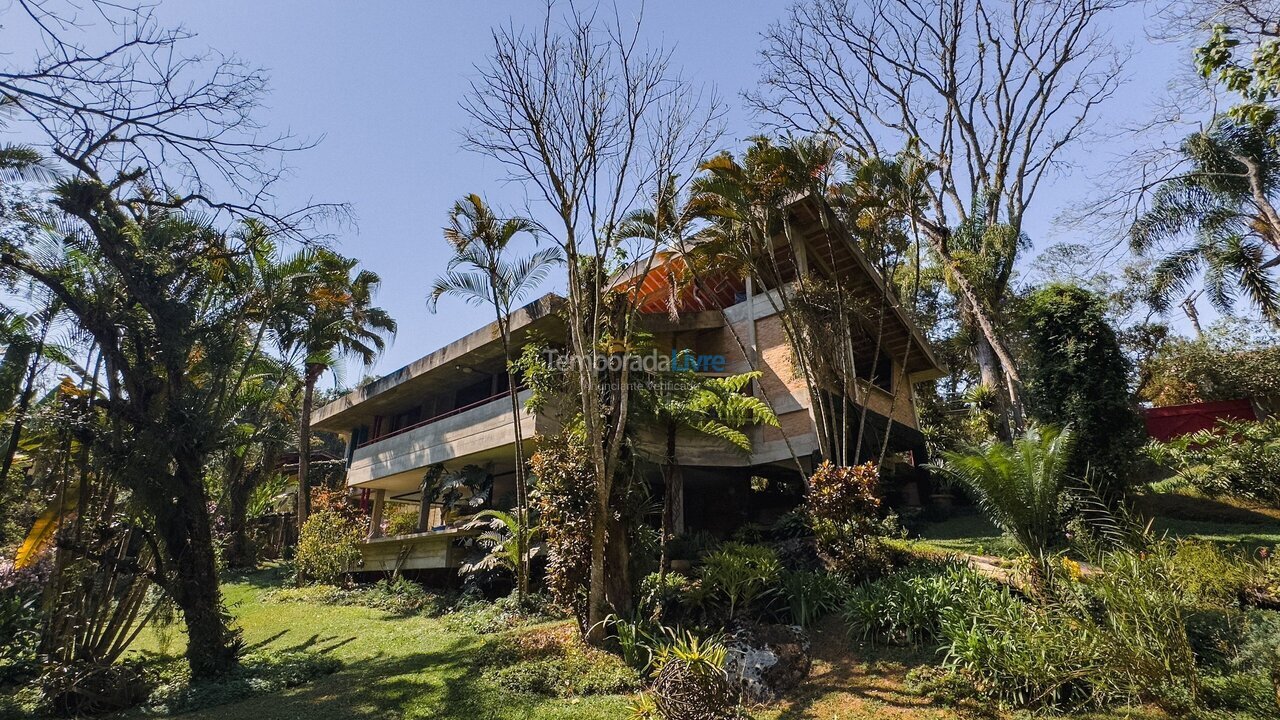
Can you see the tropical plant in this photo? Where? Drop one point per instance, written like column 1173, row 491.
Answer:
column 691, row 681
column 499, row 543
column 482, row 272
column 811, row 596
column 333, row 317
column 712, row 406
column 739, row 579
column 1235, row 458
column 842, row 508
column 562, row 494
column 1221, row 210
column 1019, row 486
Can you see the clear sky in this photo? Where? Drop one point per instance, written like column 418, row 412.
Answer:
column 381, row 82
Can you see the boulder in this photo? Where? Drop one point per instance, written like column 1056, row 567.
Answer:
column 768, row 661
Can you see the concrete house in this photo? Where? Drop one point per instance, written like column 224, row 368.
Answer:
column 451, row 407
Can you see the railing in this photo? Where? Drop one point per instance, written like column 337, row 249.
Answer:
column 438, row 418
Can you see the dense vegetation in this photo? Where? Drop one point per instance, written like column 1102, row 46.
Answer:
column 165, row 329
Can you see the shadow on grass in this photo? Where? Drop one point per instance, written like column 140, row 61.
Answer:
column 857, row 679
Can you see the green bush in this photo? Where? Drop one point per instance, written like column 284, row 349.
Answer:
column 811, row 596
column 328, row 547
column 907, row 608
column 259, row 673
column 1118, row 637
column 1211, row 574
column 1235, row 458
column 738, row 579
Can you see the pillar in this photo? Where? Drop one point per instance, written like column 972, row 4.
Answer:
column 375, row 518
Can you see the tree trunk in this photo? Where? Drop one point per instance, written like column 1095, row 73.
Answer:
column 238, row 553
column 522, row 490
column 188, row 544
column 597, row 603
column 304, row 444
column 668, row 509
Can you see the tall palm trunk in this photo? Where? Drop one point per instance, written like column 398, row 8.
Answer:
column 669, row 470
column 522, row 490
column 314, row 371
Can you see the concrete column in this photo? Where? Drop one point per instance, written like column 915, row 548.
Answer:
column 375, row 518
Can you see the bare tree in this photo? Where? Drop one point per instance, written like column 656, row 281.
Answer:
column 146, row 112
column 986, row 92
column 592, row 121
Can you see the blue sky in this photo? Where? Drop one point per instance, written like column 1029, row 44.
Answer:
column 381, row 81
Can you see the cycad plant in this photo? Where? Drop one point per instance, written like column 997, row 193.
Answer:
column 1018, row 485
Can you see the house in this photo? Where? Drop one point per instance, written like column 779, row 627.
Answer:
column 451, row 407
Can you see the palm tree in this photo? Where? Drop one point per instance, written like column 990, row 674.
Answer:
column 1224, row 205
column 1018, row 485
column 482, row 272
column 335, row 319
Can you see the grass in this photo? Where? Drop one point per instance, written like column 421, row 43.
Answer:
column 1175, row 515
column 393, row 666
column 412, row 666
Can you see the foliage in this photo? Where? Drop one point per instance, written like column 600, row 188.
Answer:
column 907, row 607
column 1216, row 203
column 662, row 591
column 401, row 520
column 1079, row 376
column 554, row 661
column 19, row 623
column 328, row 547
column 842, row 507
column 481, row 616
column 259, row 673
column 498, row 544
column 1018, row 485
column 1235, row 458
column 562, row 495
column 691, row 682
column 1229, row 363
column 737, row 580
column 811, row 595
column 395, row 595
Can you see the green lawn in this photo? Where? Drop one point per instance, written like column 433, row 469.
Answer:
column 419, row 667
column 393, row 666
column 1178, row 516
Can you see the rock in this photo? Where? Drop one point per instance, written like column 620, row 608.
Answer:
column 768, row 661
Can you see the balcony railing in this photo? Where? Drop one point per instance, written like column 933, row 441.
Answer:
column 438, row 418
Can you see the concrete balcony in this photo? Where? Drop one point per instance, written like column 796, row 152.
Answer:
column 396, row 460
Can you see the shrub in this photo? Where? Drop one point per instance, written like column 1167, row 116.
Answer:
column 1118, row 637
column 481, row 616
column 1018, row 485
column 843, row 508
column 1078, row 375
column 907, row 608
column 258, row 673
column 738, row 579
column 811, row 596
column 1236, row 458
column 1211, row 574
column 19, row 626
column 562, row 491
column 666, row 596
column 401, row 520
column 328, row 547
